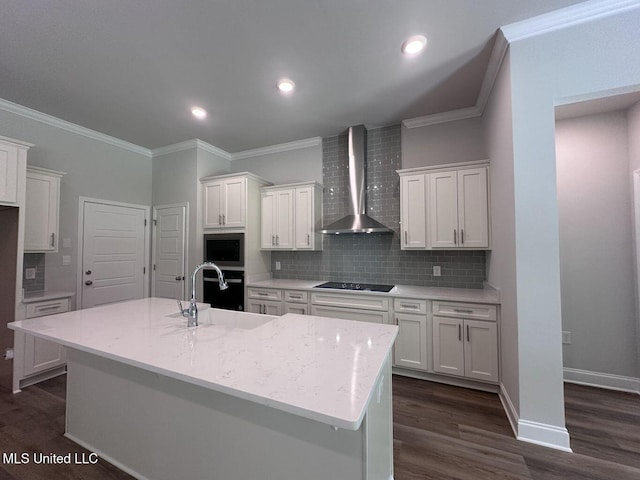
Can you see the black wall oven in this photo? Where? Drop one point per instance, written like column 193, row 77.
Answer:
column 224, row 249
column 230, row 299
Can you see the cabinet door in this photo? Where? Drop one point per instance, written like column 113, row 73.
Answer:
column 273, row 308
column 254, row 306
column 268, row 307
column 473, row 214
column 410, row 349
column 299, row 308
column 234, row 203
column 41, row 355
column 443, row 209
column 267, row 220
column 284, row 219
column 41, row 213
column 303, row 219
column 448, row 347
column 212, row 212
column 481, row 350
column 8, row 173
column 413, row 206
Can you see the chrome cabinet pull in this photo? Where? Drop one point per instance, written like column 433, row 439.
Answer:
column 468, row 334
column 459, row 332
column 53, row 239
column 273, row 240
column 88, row 272
column 277, row 240
column 263, row 294
column 462, row 236
column 50, row 307
column 308, row 239
column 224, row 219
column 88, row 282
column 413, row 307
column 462, row 310
column 178, row 278
column 455, row 237
column 219, row 219
column 406, row 237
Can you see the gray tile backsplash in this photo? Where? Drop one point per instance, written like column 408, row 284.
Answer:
column 374, row 258
column 33, row 260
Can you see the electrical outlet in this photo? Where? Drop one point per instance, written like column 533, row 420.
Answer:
column 566, row 338
column 277, row 265
column 29, row 273
column 66, row 260
column 437, row 271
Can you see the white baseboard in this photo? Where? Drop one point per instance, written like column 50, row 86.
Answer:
column 602, row 380
column 533, row 432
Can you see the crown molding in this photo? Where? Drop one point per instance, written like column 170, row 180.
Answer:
column 31, row 114
column 189, row 145
column 498, row 53
column 443, row 117
column 566, row 17
column 282, row 147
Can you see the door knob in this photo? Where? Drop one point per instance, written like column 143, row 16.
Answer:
column 88, row 282
column 88, row 272
column 178, row 278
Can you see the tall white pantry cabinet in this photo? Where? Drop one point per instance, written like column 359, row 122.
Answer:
column 445, row 207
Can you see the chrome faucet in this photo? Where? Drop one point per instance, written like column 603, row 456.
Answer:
column 192, row 312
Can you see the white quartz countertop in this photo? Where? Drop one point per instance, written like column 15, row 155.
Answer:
column 478, row 295
column 320, row 368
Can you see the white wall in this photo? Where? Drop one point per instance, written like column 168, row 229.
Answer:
column 596, row 56
column 596, row 244
column 501, row 271
column 633, row 117
column 450, row 142
column 300, row 165
column 93, row 169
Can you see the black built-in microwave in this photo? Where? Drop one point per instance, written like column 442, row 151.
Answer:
column 224, row 249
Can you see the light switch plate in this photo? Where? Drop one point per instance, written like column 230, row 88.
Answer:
column 29, row 273
column 278, row 266
column 66, row 260
column 437, row 271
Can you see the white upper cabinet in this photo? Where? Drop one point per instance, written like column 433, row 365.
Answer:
column 224, row 202
column 12, row 159
column 291, row 217
column 42, row 207
column 445, row 207
column 413, row 209
column 277, row 219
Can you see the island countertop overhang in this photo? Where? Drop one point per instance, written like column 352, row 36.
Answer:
column 320, row 368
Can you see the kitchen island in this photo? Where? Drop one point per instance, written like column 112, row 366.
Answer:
column 241, row 396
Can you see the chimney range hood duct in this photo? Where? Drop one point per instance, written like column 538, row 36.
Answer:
column 357, row 221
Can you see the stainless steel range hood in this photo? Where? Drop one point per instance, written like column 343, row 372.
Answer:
column 357, row 221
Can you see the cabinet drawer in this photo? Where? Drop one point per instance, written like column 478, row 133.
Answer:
column 466, row 310
column 406, row 305
column 350, row 314
column 40, row 309
column 264, row 293
column 364, row 302
column 295, row 296
column 297, row 308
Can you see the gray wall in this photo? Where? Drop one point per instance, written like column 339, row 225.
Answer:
column 451, row 142
column 501, row 271
column 596, row 244
column 93, row 169
column 300, row 165
column 374, row 258
column 574, row 62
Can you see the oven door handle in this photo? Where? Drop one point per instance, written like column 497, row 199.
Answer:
column 231, row 280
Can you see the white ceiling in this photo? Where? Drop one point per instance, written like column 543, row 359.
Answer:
column 132, row 69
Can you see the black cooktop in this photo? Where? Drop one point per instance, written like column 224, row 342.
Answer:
column 371, row 287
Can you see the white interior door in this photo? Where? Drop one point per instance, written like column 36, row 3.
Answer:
column 113, row 253
column 169, row 251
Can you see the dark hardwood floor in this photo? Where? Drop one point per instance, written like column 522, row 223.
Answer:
column 440, row 432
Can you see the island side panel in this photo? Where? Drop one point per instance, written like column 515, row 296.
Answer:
column 156, row 427
column 378, row 427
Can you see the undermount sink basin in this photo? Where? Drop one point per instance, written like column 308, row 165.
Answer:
column 233, row 319
column 228, row 319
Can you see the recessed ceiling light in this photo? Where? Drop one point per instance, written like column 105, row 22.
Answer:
column 199, row 112
column 414, row 45
column 286, row 85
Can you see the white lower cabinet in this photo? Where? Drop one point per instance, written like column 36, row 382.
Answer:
column 467, row 348
column 266, row 301
column 410, row 349
column 39, row 354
